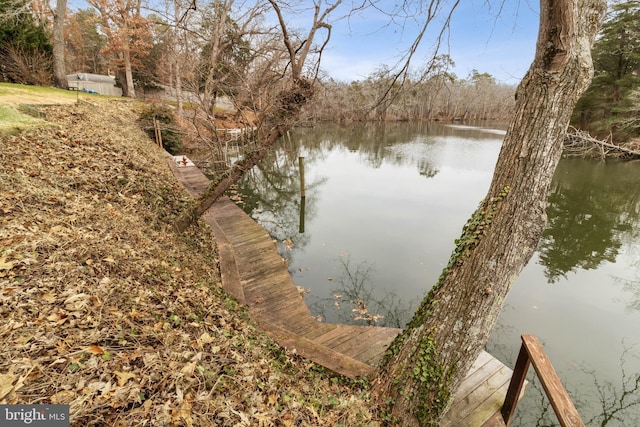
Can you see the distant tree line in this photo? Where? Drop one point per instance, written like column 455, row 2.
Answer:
column 436, row 95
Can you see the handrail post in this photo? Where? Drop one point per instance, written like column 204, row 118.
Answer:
column 532, row 353
column 515, row 386
column 560, row 401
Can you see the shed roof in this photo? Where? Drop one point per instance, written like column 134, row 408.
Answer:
column 87, row 77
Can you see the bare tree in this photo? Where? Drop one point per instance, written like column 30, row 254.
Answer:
column 175, row 54
column 127, row 30
column 279, row 117
column 426, row 363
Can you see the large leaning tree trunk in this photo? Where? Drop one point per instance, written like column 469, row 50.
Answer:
column 290, row 103
column 280, row 117
column 426, row 363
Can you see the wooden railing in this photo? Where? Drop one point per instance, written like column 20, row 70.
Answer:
column 532, row 352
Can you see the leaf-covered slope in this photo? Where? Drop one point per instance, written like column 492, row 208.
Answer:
column 104, row 307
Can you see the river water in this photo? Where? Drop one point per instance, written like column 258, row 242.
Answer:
column 383, row 206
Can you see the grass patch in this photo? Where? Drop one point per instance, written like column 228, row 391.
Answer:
column 18, row 89
column 12, row 120
column 12, row 94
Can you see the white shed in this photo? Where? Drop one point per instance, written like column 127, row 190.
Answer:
column 94, row 83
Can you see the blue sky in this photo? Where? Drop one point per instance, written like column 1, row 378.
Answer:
column 500, row 42
column 493, row 36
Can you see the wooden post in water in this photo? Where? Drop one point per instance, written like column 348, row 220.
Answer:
column 302, row 186
column 301, row 226
column 303, row 194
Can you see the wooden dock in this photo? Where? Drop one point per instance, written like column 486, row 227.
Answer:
column 254, row 272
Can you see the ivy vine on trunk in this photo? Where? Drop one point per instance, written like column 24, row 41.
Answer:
column 426, row 363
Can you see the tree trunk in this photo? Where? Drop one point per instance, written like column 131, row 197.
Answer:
column 59, row 68
column 177, row 59
column 178, row 86
column 290, row 105
column 131, row 91
column 426, row 363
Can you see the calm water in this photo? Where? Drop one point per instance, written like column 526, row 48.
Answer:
column 383, row 206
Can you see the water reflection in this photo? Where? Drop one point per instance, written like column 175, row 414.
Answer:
column 600, row 402
column 395, row 197
column 371, row 141
column 619, row 401
column 354, row 300
column 632, row 287
column 270, row 192
column 589, row 215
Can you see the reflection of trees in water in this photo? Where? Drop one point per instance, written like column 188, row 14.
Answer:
column 592, row 205
column 633, row 288
column 270, row 192
column 619, row 404
column 632, row 285
column 354, row 301
column 372, row 141
column 600, row 403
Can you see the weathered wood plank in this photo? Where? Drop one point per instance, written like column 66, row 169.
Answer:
column 259, row 279
column 373, row 355
column 275, row 282
column 336, row 335
column 228, row 265
column 313, row 329
column 277, row 300
column 280, row 315
column 274, row 302
column 320, row 354
column 479, row 372
column 481, row 401
column 495, row 421
column 360, row 341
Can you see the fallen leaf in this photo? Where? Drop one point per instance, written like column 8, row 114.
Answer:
column 57, row 229
column 6, row 384
column 58, row 316
column 76, row 302
column 205, row 339
column 62, row 397
column 4, row 264
column 136, row 314
column 123, row 377
column 273, row 399
column 9, row 385
column 49, row 296
column 94, row 349
column 189, row 368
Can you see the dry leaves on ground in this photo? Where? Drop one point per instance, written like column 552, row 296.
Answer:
column 106, row 309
